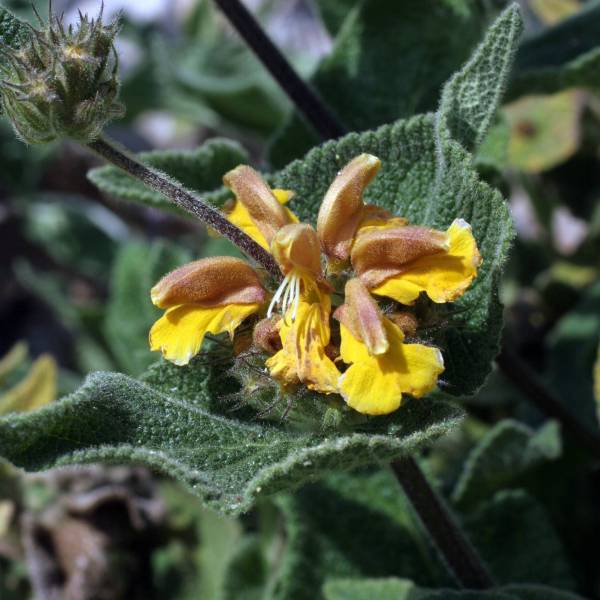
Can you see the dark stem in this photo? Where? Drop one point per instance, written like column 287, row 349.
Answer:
column 456, row 550
column 305, row 99
column 186, row 200
column 524, row 379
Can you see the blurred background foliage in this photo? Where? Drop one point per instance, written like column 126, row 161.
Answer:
column 77, row 264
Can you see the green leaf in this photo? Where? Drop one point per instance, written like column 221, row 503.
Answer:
column 227, row 462
column 13, row 31
column 335, row 12
column 351, row 526
column 505, row 454
column 470, row 98
column 389, row 61
column 573, row 344
column 130, row 313
column 566, row 55
column 200, row 170
column 516, row 538
column 403, row 589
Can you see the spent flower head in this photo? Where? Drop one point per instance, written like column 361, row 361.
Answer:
column 62, row 82
column 323, row 328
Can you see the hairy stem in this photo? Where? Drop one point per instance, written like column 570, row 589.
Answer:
column 457, row 552
column 525, row 380
column 186, row 200
column 305, row 99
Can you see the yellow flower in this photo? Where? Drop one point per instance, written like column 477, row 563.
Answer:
column 376, row 252
column 383, row 367
column 401, row 262
column 306, row 306
column 211, row 295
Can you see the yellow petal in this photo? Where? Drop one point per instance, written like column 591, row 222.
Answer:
column 241, row 218
column 374, row 385
column 444, row 277
column 178, row 334
column 302, row 358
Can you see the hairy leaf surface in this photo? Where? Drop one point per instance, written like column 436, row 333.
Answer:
column 226, row 461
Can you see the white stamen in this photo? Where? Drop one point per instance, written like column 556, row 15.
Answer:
column 286, row 297
column 296, row 298
column 280, row 290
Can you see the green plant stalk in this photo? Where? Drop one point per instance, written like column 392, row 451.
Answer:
column 185, row 199
column 457, row 551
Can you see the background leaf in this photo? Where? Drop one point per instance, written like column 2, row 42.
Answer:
column 503, row 457
column 566, row 55
column 130, row 312
column 389, row 61
column 199, row 170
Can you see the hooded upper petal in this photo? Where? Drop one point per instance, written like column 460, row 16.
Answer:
column 343, row 209
column 442, row 265
column 375, row 384
column 208, row 282
column 240, row 217
column 263, row 208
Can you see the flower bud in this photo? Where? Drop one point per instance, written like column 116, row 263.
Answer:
column 209, row 282
column 342, row 208
column 256, row 196
column 296, row 246
column 266, row 335
column 407, row 322
column 381, row 253
column 362, row 317
column 62, row 82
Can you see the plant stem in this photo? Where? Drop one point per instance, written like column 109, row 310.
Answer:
column 460, row 556
column 306, row 100
column 524, row 379
column 185, row 199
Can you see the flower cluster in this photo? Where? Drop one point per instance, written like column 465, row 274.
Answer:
column 310, row 336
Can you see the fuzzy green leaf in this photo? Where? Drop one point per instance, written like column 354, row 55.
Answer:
column 516, row 538
column 403, row 589
column 390, row 60
column 572, row 353
column 470, row 98
column 506, row 453
column 352, row 526
column 225, row 461
column 13, row 32
column 566, row 55
column 130, row 312
column 200, row 170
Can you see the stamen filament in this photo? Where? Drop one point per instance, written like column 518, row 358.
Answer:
column 280, row 290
